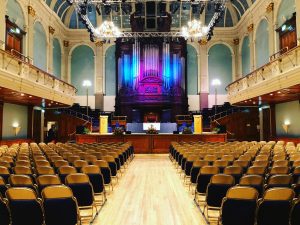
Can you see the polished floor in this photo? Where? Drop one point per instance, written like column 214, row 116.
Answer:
column 150, row 193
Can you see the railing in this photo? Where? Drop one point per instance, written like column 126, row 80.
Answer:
column 280, row 64
column 76, row 114
column 278, row 54
column 16, row 64
column 223, row 114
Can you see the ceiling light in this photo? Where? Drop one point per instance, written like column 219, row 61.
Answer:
column 30, row 96
column 22, row 94
column 271, row 94
column 279, row 92
column 194, row 29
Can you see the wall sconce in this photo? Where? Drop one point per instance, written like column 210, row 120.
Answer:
column 286, row 126
column 16, row 128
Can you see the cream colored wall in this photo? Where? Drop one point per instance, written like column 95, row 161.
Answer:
column 226, row 36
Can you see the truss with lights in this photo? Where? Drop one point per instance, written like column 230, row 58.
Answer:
column 107, row 29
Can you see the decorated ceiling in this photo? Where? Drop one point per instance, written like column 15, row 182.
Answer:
column 184, row 12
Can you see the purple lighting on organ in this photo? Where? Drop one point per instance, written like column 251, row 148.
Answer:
column 150, row 68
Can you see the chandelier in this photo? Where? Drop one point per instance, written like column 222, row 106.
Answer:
column 107, row 30
column 194, row 29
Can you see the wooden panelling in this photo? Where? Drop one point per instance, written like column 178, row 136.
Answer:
column 150, row 143
column 66, row 125
column 15, row 141
column 242, row 126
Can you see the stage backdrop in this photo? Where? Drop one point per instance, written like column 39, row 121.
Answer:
column 151, row 78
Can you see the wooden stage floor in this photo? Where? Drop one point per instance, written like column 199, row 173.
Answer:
column 150, row 193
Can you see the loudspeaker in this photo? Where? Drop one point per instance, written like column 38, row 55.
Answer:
column 128, row 132
column 176, row 132
column 150, row 6
column 150, row 23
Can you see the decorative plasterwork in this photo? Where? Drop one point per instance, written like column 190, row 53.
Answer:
column 31, row 11
column 250, row 27
column 270, row 7
column 51, row 30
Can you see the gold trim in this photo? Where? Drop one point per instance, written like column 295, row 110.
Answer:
column 236, row 41
column 203, row 42
column 51, row 30
column 250, row 27
column 31, row 11
column 270, row 7
column 66, row 44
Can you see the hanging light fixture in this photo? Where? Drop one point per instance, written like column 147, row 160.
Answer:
column 107, row 29
column 194, row 29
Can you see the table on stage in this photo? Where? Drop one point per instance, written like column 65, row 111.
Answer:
column 150, row 143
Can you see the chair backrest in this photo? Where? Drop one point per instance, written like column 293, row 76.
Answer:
column 279, row 170
column 22, row 170
column 263, row 163
column 209, row 170
column 23, row 163
column 239, row 206
column 101, row 163
column 253, row 179
column 77, row 178
column 281, row 180
column 59, row 163
column 231, row 170
column 279, row 194
column 220, row 163
column 22, row 203
column 48, row 180
column 18, row 180
column 80, row 163
column 90, row 169
column 66, row 170
column 42, row 163
column 259, row 170
column 222, row 179
column 45, row 170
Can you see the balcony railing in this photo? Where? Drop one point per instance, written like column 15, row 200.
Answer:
column 16, row 64
column 278, row 65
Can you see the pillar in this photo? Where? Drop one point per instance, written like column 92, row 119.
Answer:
column 30, row 31
column 204, row 81
column 2, row 21
column 297, row 2
column 50, row 52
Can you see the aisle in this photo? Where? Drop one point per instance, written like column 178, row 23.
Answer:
column 150, row 193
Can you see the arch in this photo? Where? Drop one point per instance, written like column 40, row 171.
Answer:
column 262, row 43
column 16, row 13
column 285, row 11
column 220, row 43
column 82, row 68
column 245, row 56
column 110, row 71
column 40, row 46
column 57, row 57
column 192, row 70
column 220, row 66
column 81, row 44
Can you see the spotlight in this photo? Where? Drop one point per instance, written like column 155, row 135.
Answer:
column 115, row 7
column 174, row 7
column 89, row 8
column 126, row 8
column 98, row 9
column 107, row 9
column 202, row 7
column 195, row 8
column 138, row 8
column 162, row 8
column 92, row 39
column 217, row 7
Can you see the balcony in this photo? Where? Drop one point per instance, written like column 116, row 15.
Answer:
column 19, row 75
column 280, row 75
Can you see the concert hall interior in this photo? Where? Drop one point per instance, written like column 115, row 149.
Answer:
column 178, row 112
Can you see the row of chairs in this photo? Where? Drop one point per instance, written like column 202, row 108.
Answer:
column 38, row 166
column 211, row 187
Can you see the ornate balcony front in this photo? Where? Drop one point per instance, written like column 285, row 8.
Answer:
column 283, row 71
column 18, row 74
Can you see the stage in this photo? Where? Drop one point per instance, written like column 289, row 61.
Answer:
column 150, row 143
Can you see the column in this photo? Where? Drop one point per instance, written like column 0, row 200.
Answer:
column 252, row 47
column 50, row 51
column 30, row 32
column 204, row 81
column 3, row 27
column 261, row 124
column 270, row 17
column 297, row 2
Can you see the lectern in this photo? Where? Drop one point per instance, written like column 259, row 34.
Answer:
column 197, row 124
column 103, row 121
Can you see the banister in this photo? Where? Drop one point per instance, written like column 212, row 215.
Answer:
column 262, row 67
column 29, row 61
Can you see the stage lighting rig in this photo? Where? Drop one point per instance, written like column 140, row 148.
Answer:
column 106, row 6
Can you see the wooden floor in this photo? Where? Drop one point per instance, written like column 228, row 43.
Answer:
column 150, row 193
